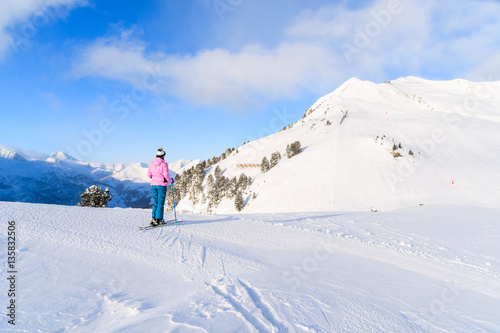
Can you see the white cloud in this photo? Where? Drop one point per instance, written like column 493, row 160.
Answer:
column 27, row 16
column 214, row 77
column 120, row 57
column 219, row 76
column 320, row 49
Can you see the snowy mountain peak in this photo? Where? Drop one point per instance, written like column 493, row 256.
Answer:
column 62, row 156
column 11, row 155
column 24, row 154
column 390, row 145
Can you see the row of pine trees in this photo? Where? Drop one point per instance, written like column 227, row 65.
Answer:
column 189, row 186
column 292, row 149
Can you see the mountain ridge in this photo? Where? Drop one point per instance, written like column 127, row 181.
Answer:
column 60, row 179
column 399, row 143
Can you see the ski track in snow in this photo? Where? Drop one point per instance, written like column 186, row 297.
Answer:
column 431, row 269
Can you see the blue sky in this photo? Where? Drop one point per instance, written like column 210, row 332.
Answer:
column 111, row 81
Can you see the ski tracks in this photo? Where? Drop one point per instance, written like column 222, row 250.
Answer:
column 203, row 256
column 250, row 304
column 240, row 308
column 183, row 243
column 259, row 301
column 170, row 237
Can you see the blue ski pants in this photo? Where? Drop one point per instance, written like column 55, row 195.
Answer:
column 159, row 194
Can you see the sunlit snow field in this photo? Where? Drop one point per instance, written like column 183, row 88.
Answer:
column 421, row 269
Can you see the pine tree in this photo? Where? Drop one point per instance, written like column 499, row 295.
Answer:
column 217, row 173
column 275, row 157
column 95, row 197
column 197, row 182
column 210, row 182
column 210, row 208
column 264, row 167
column 210, row 191
column 232, row 186
column 220, row 190
column 184, row 183
column 242, row 182
column 193, row 196
column 293, row 149
column 238, row 201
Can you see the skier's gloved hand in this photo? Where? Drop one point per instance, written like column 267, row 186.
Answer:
column 172, row 183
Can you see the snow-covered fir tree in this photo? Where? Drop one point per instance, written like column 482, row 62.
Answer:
column 264, row 166
column 217, row 173
column 293, row 149
column 210, row 185
column 239, row 203
column 275, row 158
column 232, row 186
column 95, row 197
column 242, row 182
column 210, row 182
column 193, row 197
column 184, row 182
column 219, row 190
column 197, row 183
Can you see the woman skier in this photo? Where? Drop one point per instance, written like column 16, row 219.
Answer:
column 160, row 180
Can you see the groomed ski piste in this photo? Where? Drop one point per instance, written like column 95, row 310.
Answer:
column 418, row 269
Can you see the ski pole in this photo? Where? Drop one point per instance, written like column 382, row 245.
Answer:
column 173, row 197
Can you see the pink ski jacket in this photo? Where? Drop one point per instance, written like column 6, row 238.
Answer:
column 158, row 172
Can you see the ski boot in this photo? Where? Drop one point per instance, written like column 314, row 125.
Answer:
column 153, row 222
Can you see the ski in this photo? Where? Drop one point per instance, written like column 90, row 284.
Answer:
column 164, row 223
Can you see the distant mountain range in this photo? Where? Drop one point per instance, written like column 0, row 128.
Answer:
column 60, row 179
column 364, row 146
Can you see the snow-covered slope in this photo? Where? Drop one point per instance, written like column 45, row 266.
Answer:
column 424, row 269
column 452, row 129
